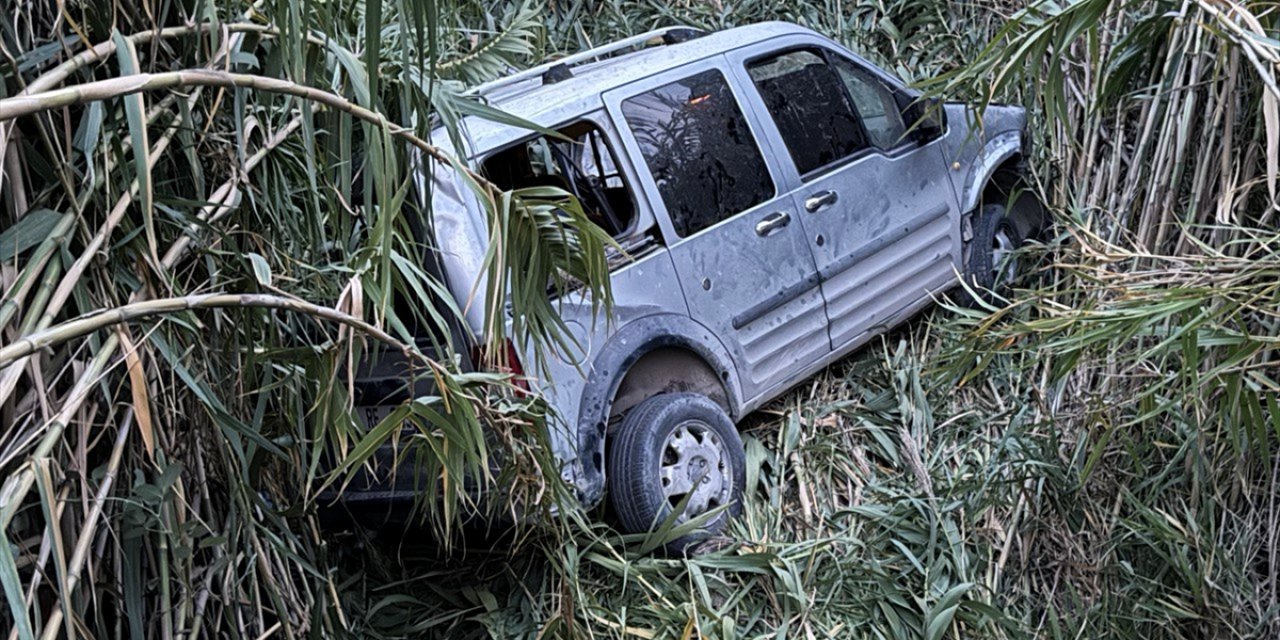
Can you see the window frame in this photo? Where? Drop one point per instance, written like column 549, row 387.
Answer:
column 826, row 52
column 615, row 100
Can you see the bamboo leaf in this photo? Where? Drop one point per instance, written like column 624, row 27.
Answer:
column 135, row 107
column 48, row 503
column 29, row 231
column 261, row 270
column 13, row 591
column 1271, row 120
column 942, row 613
column 138, row 389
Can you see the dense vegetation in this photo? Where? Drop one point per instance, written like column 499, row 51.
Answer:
column 1094, row 458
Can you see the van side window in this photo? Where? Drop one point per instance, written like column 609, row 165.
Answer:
column 700, row 151
column 584, row 165
column 879, row 111
column 808, row 103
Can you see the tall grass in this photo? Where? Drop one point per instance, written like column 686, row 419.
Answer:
column 1149, row 341
column 209, row 215
column 1093, row 458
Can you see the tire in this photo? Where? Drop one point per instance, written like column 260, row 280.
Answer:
column 663, row 442
column 990, row 265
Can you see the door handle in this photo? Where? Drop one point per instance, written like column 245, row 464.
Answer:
column 820, row 201
column 772, row 223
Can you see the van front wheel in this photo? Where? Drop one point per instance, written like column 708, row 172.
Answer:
column 991, row 259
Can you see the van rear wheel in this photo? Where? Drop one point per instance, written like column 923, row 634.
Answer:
column 673, row 449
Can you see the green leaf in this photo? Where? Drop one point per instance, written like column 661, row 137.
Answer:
column 135, row 107
column 13, row 591
column 261, row 270
column 29, row 231
column 940, row 614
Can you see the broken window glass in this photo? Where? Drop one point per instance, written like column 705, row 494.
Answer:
column 581, row 163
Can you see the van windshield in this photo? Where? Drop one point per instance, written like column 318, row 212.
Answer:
column 584, row 166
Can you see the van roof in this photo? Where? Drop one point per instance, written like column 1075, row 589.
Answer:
column 550, row 104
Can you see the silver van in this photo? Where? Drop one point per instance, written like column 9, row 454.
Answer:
column 780, row 202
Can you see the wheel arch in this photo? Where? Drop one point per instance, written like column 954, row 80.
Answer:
column 996, row 153
column 999, row 176
column 651, row 375
column 630, row 367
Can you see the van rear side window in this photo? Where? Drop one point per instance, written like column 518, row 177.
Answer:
column 584, row 166
column 701, row 152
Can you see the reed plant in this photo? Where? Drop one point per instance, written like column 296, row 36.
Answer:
column 209, row 214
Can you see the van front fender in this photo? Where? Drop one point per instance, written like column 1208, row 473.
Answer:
column 998, row 150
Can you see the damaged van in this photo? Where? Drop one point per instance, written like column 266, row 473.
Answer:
column 779, row 201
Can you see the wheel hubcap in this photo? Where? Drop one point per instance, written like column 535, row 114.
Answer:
column 695, row 464
column 1004, row 264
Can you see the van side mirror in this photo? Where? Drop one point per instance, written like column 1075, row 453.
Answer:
column 926, row 118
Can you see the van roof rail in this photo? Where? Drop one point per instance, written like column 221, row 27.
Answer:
column 562, row 68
